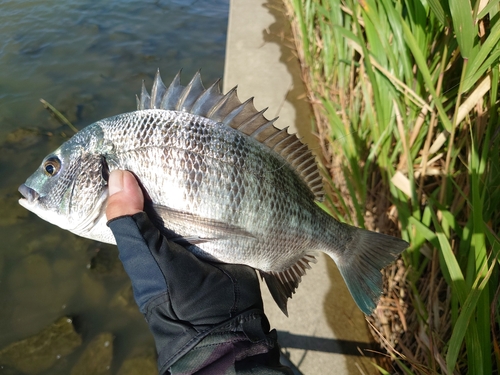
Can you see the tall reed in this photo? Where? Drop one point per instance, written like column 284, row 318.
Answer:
column 405, row 95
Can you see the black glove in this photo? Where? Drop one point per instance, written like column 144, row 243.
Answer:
column 185, row 299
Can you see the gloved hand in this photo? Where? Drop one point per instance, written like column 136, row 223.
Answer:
column 184, row 299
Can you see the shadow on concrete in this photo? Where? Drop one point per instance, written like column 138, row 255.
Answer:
column 346, row 347
column 280, row 33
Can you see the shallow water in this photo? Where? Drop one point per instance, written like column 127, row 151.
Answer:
column 87, row 59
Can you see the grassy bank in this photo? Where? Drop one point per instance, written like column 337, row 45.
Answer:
column 405, row 95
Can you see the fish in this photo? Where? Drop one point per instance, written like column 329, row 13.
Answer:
column 219, row 178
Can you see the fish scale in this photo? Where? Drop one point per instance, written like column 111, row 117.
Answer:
column 220, row 179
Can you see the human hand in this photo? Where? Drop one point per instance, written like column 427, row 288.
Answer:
column 125, row 195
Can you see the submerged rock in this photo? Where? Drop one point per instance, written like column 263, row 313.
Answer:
column 66, row 284
column 6, row 370
column 39, row 288
column 24, row 138
column 53, row 241
column 97, row 357
column 39, row 352
column 92, row 290
column 105, row 262
column 124, row 299
column 75, row 105
column 140, row 362
column 12, row 212
column 31, row 282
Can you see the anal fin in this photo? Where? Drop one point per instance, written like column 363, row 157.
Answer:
column 284, row 283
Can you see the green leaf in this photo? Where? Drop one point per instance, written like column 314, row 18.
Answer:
column 462, row 324
column 482, row 61
column 463, row 25
column 438, row 11
column 457, row 278
column 423, row 230
column 424, row 70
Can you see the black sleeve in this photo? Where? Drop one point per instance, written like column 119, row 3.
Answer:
column 203, row 315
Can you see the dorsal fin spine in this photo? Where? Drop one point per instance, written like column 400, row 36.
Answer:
column 299, row 150
column 317, row 179
column 302, row 160
column 252, row 120
column 235, row 112
column 292, row 144
column 145, row 101
column 263, row 128
column 271, row 138
column 157, row 91
column 191, row 92
column 308, row 171
column 207, row 100
column 169, row 99
column 216, row 113
column 281, row 142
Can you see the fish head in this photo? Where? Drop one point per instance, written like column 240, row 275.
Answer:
column 69, row 189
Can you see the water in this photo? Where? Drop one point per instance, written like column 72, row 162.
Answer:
column 87, row 59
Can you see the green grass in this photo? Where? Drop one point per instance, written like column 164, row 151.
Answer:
column 405, row 95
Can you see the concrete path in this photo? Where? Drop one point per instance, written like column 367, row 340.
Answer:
column 325, row 330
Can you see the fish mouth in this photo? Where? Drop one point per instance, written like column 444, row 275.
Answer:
column 28, row 193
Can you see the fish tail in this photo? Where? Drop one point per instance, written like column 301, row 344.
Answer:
column 360, row 263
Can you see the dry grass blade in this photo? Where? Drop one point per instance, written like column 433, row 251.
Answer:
column 58, row 114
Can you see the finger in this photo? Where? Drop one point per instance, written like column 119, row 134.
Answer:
column 125, row 195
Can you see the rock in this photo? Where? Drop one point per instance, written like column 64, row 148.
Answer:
column 6, row 370
column 105, row 262
column 139, row 366
column 23, row 321
column 124, row 299
column 65, row 268
column 75, row 105
column 97, row 357
column 140, row 362
column 31, row 282
column 55, row 240
column 92, row 290
column 39, row 352
column 24, row 138
column 39, row 291
column 12, row 211
column 66, row 283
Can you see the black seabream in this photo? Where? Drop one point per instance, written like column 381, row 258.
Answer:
column 219, row 178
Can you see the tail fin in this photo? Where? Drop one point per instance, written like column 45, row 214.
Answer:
column 360, row 264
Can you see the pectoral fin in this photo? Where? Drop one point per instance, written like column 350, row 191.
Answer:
column 166, row 217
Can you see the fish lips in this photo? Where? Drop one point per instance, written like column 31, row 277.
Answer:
column 28, row 193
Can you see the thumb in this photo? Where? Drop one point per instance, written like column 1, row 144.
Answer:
column 125, row 195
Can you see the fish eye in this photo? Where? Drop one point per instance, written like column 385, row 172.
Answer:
column 52, row 166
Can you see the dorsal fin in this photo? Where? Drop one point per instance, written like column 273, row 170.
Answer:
column 228, row 109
